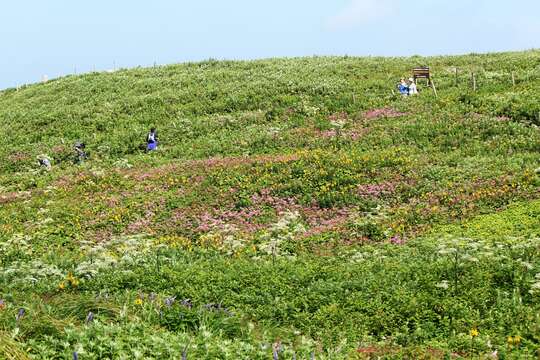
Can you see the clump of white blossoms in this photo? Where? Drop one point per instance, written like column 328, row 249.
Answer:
column 338, row 124
column 119, row 251
column 273, row 131
column 231, row 243
column 122, row 164
column 29, row 273
column 288, row 227
column 18, row 243
column 535, row 287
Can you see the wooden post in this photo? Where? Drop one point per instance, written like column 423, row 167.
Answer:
column 354, row 98
column 434, row 88
column 513, row 79
column 456, row 70
column 473, row 81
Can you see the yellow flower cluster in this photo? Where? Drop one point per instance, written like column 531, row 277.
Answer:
column 211, row 241
column 176, row 181
column 175, row 241
column 69, row 281
column 516, row 340
column 118, row 214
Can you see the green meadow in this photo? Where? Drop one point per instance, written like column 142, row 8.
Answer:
column 295, row 209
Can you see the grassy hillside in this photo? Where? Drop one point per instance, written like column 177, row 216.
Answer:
column 295, row 205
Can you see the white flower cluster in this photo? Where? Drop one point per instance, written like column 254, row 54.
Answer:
column 231, row 243
column 113, row 253
column 273, row 131
column 467, row 252
column 338, row 124
column 17, row 243
column 286, row 229
column 30, row 273
column 535, row 287
column 122, row 164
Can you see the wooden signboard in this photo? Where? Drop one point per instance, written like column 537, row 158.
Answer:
column 424, row 73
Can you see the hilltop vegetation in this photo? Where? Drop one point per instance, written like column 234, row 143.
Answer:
column 295, row 205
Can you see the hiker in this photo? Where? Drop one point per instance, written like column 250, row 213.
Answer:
column 403, row 88
column 151, row 140
column 413, row 90
column 44, row 162
column 81, row 154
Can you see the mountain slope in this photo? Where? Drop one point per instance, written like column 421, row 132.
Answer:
column 292, row 201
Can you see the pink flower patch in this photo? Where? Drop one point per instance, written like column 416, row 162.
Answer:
column 338, row 116
column 398, row 240
column 376, row 190
column 383, row 112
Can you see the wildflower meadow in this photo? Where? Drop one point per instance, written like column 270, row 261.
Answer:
column 294, row 209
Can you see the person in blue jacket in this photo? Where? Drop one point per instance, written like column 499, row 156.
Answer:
column 403, row 88
column 151, row 140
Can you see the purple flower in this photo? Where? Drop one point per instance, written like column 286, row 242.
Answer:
column 90, row 317
column 214, row 306
column 187, row 303
column 20, row 314
column 170, row 301
column 276, row 348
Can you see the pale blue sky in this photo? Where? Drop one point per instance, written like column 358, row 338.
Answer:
column 53, row 37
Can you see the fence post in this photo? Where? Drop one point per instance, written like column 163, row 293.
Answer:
column 433, row 87
column 473, row 81
column 513, row 79
column 456, row 70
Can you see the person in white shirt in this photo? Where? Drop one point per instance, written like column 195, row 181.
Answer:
column 412, row 87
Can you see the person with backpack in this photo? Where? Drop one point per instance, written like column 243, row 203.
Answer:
column 80, row 152
column 151, row 140
column 44, row 162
